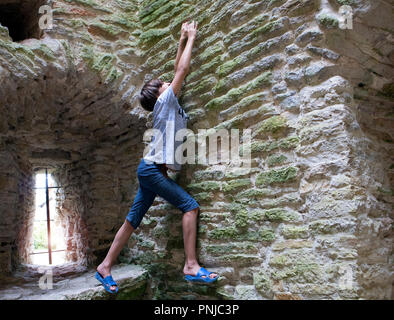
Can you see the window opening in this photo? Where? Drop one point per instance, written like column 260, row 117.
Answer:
column 48, row 236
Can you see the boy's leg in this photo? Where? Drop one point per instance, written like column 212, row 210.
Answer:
column 121, row 238
column 169, row 190
column 142, row 202
column 189, row 225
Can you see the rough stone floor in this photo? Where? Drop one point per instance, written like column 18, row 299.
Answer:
column 70, row 282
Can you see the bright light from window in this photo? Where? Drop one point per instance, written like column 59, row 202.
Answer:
column 40, row 254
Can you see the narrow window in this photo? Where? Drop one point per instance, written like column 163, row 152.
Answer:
column 48, row 236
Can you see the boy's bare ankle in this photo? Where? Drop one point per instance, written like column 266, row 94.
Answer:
column 104, row 268
column 191, row 264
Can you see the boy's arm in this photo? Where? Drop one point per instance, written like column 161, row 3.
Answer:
column 184, row 61
column 181, row 45
column 184, row 65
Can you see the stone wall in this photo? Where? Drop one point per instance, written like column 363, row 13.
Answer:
column 313, row 218
column 17, row 201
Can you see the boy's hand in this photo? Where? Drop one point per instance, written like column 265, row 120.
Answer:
column 192, row 29
column 184, row 30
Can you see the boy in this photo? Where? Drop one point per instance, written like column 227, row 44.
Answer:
column 160, row 97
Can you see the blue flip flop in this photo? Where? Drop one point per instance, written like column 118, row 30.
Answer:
column 199, row 276
column 107, row 282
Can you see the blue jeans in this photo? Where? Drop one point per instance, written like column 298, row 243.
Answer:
column 152, row 182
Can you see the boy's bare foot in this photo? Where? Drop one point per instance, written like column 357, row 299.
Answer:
column 192, row 270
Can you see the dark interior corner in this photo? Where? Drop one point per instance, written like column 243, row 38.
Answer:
column 21, row 17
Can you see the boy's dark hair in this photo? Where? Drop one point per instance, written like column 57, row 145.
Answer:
column 149, row 94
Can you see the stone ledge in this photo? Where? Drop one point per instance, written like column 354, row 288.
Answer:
column 132, row 280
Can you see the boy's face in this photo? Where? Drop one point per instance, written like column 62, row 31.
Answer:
column 164, row 86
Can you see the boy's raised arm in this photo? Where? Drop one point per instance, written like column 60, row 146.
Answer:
column 184, row 62
column 181, row 46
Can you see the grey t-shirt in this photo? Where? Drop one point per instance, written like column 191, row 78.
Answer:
column 168, row 118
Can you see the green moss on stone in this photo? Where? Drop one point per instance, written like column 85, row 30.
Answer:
column 273, row 125
column 158, row 12
column 238, row 247
column 102, row 63
column 76, row 23
column 113, row 74
column 246, row 28
column 167, row 77
column 4, row 32
column 328, row 21
column 16, row 48
column 268, row 27
column 257, row 215
column 235, row 184
column 224, row 294
column 295, row 232
column 305, row 270
column 208, row 174
column 279, row 260
column 152, row 35
column 211, row 51
column 276, row 159
column 56, row 11
column 241, row 213
column 345, row 2
column 253, row 193
column 148, row 7
column 160, row 232
column 91, row 4
column 204, row 186
column 251, row 100
column 45, row 51
column 263, row 234
column 206, row 68
column 289, row 142
column 108, row 29
column 266, row 146
column 267, row 234
column 202, row 85
column 175, row 17
column 203, row 196
column 122, row 20
column 229, row 66
column 149, row 221
column 224, row 233
column 67, row 48
column 262, row 282
column 202, row 229
column 276, row 176
column 279, row 214
column 321, row 226
column 241, row 218
column 236, row 93
column 146, row 244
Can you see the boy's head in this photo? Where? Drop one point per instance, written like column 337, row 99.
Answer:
column 151, row 91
